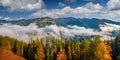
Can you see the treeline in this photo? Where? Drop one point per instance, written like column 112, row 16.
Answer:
column 58, row 49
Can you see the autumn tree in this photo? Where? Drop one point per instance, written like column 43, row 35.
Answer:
column 54, row 49
column 99, row 50
column 61, row 55
column 47, row 49
column 68, row 49
column 85, row 47
column 40, row 52
column 73, row 51
column 77, row 50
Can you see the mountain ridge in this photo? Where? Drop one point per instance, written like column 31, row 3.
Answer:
column 82, row 22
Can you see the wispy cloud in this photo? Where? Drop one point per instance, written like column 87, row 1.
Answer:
column 61, row 4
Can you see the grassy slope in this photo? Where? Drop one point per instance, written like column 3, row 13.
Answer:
column 9, row 55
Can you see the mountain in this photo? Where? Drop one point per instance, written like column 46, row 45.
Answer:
column 93, row 23
column 45, row 21
column 40, row 22
column 63, row 27
column 85, row 22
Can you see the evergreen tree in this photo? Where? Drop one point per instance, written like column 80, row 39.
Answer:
column 116, row 47
column 54, row 49
column 94, row 46
column 77, row 48
column 68, row 49
column 47, row 50
column 85, row 46
column 73, row 52
column 32, row 49
column 40, row 52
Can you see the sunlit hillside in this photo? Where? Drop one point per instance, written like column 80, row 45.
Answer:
column 56, row 49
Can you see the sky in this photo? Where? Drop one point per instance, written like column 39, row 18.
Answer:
column 19, row 9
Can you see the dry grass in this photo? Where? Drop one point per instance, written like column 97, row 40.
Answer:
column 9, row 55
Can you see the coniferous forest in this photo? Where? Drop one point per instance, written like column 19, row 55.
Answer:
column 60, row 49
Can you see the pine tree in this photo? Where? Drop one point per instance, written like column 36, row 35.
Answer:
column 94, row 46
column 47, row 50
column 54, row 49
column 40, row 52
column 85, row 46
column 32, row 49
column 77, row 48
column 73, row 50
column 68, row 49
column 116, row 47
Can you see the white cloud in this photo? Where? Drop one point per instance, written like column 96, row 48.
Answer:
column 109, row 27
column 93, row 6
column 114, row 4
column 61, row 4
column 32, row 31
column 114, row 10
column 87, row 10
column 22, row 5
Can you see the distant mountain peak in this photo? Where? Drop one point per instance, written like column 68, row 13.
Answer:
column 45, row 21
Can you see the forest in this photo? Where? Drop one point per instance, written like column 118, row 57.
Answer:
column 60, row 49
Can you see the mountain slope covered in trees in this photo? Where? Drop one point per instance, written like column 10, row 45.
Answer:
column 58, row 49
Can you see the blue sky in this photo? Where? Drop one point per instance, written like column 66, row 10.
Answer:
column 18, row 9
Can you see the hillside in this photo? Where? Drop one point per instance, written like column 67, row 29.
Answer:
column 55, row 49
column 9, row 55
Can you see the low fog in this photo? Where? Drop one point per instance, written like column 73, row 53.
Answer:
column 25, row 33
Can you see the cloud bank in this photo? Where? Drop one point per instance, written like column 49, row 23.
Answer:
column 32, row 31
column 22, row 5
column 90, row 10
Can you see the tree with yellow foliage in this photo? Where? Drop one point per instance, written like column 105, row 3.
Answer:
column 99, row 50
column 85, row 46
column 40, row 52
